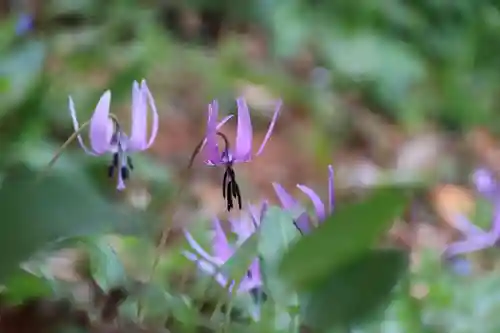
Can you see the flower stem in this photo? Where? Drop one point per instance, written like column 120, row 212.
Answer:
column 185, row 175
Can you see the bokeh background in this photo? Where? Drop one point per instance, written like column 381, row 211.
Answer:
column 386, row 92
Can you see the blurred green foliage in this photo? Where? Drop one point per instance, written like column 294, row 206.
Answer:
column 413, row 62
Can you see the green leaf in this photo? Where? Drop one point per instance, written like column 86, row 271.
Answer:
column 23, row 285
column 277, row 232
column 22, row 68
column 37, row 211
column 105, row 265
column 236, row 267
column 346, row 234
column 353, row 291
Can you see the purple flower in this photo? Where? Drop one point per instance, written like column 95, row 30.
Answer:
column 222, row 250
column 475, row 238
column 227, row 157
column 107, row 136
column 24, row 24
column 303, row 222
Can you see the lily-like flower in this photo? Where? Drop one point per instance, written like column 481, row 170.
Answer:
column 304, row 221
column 222, row 250
column 475, row 238
column 242, row 153
column 107, row 136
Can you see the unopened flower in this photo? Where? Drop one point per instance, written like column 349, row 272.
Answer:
column 475, row 238
column 304, row 221
column 242, row 152
column 222, row 250
column 107, row 136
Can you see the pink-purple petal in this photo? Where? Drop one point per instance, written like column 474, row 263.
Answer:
column 200, row 251
column 495, row 228
column 466, row 227
column 287, row 201
column 303, row 222
column 204, row 143
column 471, row 244
column 270, row 129
column 138, row 131
column 331, row 190
column 99, row 132
column 244, row 134
column 211, row 148
column 222, row 249
column 154, row 112
column 207, row 267
column 76, row 127
column 319, row 207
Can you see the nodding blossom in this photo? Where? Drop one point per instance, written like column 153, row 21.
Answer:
column 222, row 250
column 475, row 238
column 304, row 221
column 227, row 157
column 107, row 136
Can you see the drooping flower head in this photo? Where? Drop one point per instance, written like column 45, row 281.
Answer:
column 475, row 238
column 222, row 250
column 107, row 136
column 304, row 221
column 242, row 152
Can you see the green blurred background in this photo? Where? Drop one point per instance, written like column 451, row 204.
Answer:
column 382, row 90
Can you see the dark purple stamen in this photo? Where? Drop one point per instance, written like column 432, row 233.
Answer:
column 230, row 188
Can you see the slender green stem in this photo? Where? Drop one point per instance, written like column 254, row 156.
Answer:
column 185, row 175
column 66, row 144
column 70, row 140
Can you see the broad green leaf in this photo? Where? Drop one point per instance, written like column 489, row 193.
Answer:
column 349, row 232
column 351, row 292
column 277, row 232
column 22, row 68
column 23, row 285
column 237, row 266
column 37, row 211
column 105, row 265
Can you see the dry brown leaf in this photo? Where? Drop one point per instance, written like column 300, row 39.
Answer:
column 449, row 200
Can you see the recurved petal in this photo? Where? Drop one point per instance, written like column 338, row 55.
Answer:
column 331, row 190
column 244, row 134
column 303, row 223
column 198, row 249
column 154, row 112
column 76, row 127
column 319, row 207
column 471, row 244
column 207, row 267
column 465, row 226
column 101, row 129
column 211, row 148
column 204, row 143
column 286, row 200
column 258, row 214
column 270, row 129
column 138, row 131
column 222, row 249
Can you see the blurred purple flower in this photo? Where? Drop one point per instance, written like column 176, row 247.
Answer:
column 222, row 250
column 24, row 24
column 243, row 151
column 106, row 134
column 475, row 238
column 303, row 222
